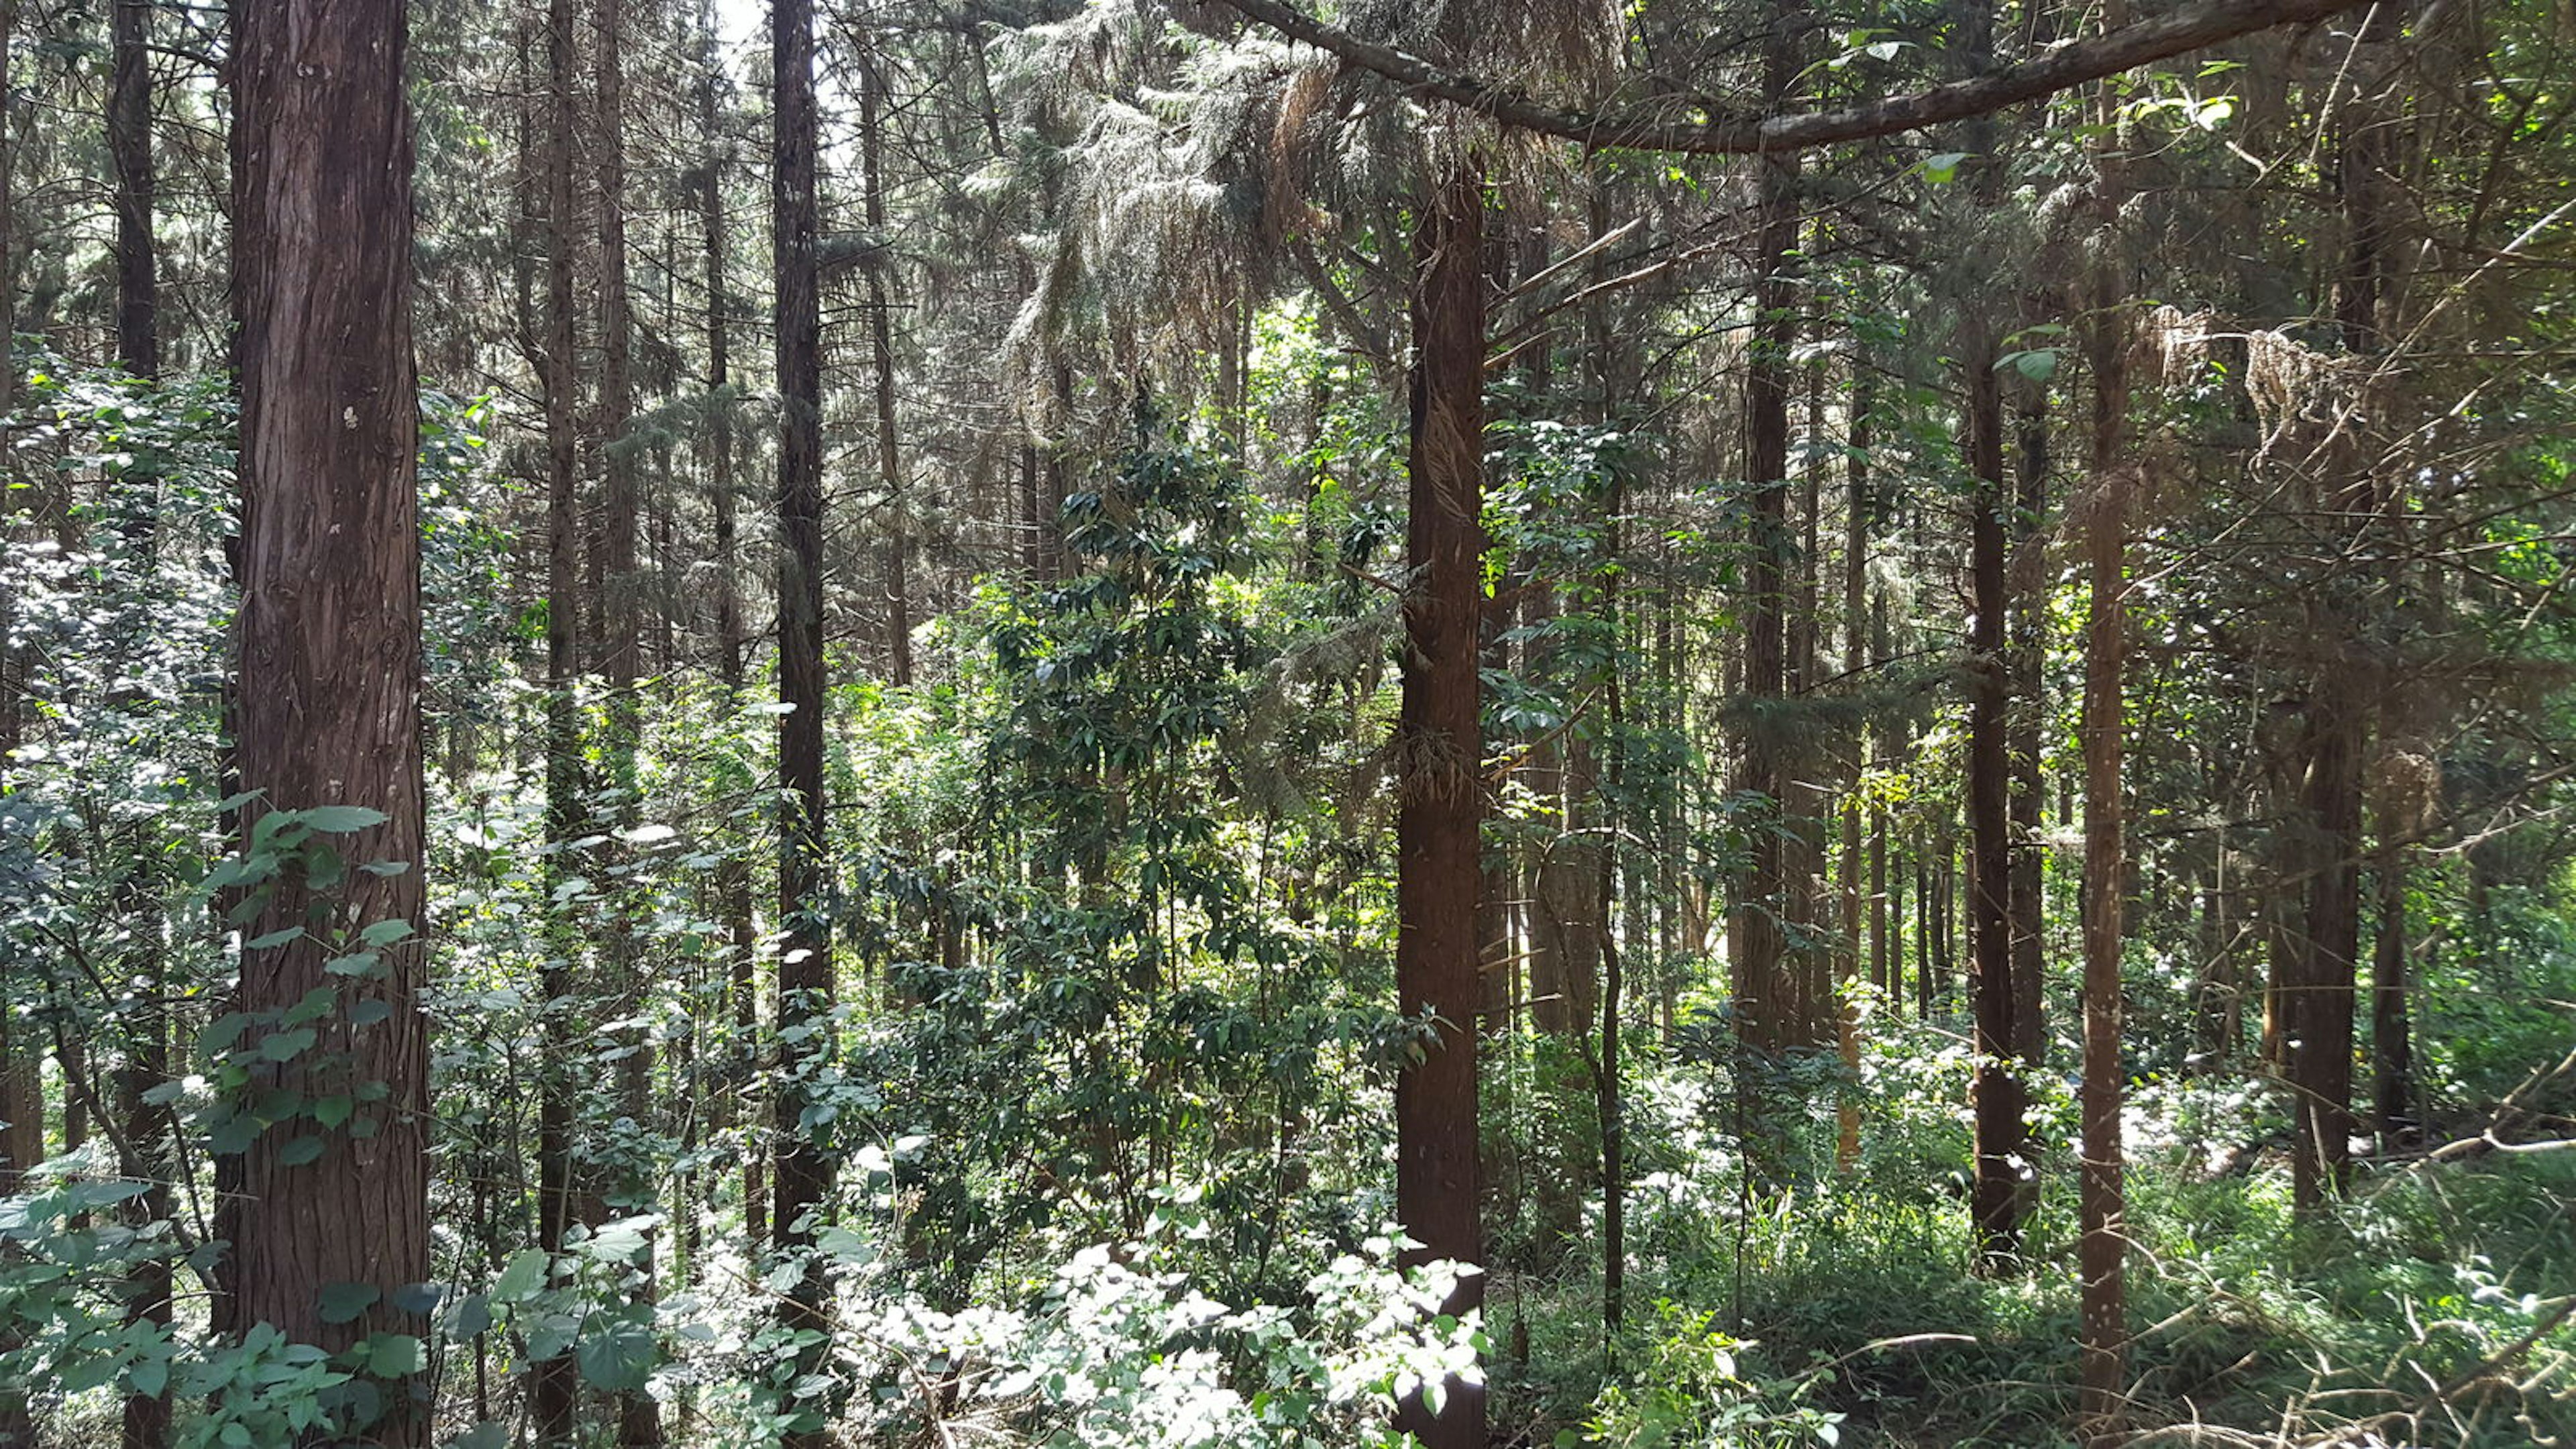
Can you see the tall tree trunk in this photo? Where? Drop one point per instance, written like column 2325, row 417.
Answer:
column 129, row 146
column 2026, row 729
column 2392, row 1051
column 138, row 349
column 1856, row 643
column 1998, row 1200
column 733, row 877
column 2320, row 1007
column 805, row 962
column 329, row 631
column 2025, row 718
column 1766, row 995
column 898, row 545
column 631, row 1185
column 2102, row 1250
column 553, row 1389
column 1438, row 1181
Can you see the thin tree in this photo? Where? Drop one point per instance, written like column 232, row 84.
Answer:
column 1769, row 1013
column 733, row 877
column 138, row 350
column 872, row 79
column 330, row 667
column 805, row 962
column 2102, row 1251
column 129, row 147
column 553, row 1389
column 1438, row 1177
column 1998, row 1096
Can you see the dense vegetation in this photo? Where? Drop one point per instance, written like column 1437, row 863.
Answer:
column 1216, row 723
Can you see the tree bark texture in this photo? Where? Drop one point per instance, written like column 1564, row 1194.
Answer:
column 805, row 961
column 329, row 637
column 1439, row 1187
column 129, row 146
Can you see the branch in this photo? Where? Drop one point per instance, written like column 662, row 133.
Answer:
column 2188, row 27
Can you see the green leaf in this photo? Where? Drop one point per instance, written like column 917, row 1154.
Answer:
column 343, row 1302
column 369, row 1011
column 315, row 1004
column 618, row 1359
column 341, row 819
column 392, row 1355
column 149, row 1377
column 273, row 939
column 285, row 1046
column 473, row 1316
column 300, row 1151
column 525, row 1274
column 333, row 1110
column 384, row 933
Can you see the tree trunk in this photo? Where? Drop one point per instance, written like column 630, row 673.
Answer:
column 145, row 1127
column 631, row 1185
column 553, row 1389
column 2102, row 1250
column 329, row 631
column 733, row 877
column 129, row 146
column 2000, row 1099
column 1767, row 1006
column 2392, row 1051
column 881, row 350
column 2025, row 730
column 1438, row 1186
column 805, row 962
column 1856, row 644
column 2320, row 1009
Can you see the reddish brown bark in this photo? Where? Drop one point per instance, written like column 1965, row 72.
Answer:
column 803, row 1175
column 898, row 545
column 129, row 146
column 1769, row 1012
column 329, row 631
column 1438, row 1179
column 2102, row 1251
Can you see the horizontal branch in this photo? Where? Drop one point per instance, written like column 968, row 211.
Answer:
column 2185, row 28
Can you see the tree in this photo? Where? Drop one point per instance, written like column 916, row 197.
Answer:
column 2102, row 1251
column 1439, row 1179
column 129, row 145
column 330, row 720
column 805, row 959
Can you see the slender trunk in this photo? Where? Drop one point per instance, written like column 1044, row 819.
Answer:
column 1438, row 1179
column 2025, row 729
column 22, row 1124
column 329, row 637
column 553, row 1388
column 1608, row 1089
column 2102, row 1251
column 2320, row 1008
column 1855, row 660
column 1766, row 995
column 629, row 1184
column 881, row 352
column 1999, row 1097
column 143, row 1135
column 2392, row 1051
column 805, row 964
column 129, row 146
column 733, row 877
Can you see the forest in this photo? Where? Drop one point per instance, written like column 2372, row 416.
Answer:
column 1287, row 724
